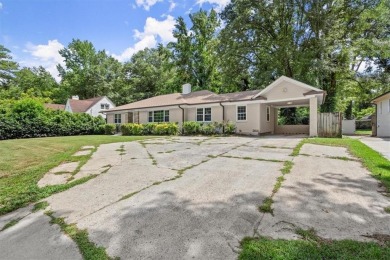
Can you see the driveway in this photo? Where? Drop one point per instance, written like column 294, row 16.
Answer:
column 197, row 197
column 379, row 144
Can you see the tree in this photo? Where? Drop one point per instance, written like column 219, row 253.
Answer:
column 89, row 73
column 7, row 67
column 309, row 40
column 194, row 52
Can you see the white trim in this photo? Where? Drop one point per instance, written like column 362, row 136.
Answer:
column 246, row 113
column 286, row 100
column 280, row 80
column 302, row 105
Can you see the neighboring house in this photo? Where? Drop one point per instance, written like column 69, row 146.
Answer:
column 92, row 106
column 382, row 104
column 253, row 112
column 55, row 106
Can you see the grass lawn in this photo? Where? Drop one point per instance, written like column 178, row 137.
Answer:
column 372, row 160
column 266, row 248
column 363, row 132
column 23, row 162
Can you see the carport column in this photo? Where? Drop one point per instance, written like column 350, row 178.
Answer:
column 313, row 116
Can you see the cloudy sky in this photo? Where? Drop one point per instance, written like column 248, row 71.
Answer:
column 34, row 30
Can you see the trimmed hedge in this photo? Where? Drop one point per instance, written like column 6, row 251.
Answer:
column 28, row 118
column 150, row 129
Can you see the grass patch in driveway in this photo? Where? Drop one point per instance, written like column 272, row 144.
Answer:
column 23, row 162
column 88, row 249
column 267, row 248
column 11, row 223
column 372, row 160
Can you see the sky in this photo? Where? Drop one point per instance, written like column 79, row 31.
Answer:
column 35, row 30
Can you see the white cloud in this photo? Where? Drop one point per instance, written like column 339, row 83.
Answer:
column 154, row 31
column 172, row 5
column 45, row 55
column 219, row 4
column 1, row 5
column 146, row 4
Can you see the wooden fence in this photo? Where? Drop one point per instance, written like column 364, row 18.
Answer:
column 329, row 124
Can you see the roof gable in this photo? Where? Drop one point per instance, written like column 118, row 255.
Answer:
column 81, row 106
column 284, row 79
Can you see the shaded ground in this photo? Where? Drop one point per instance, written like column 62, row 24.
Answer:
column 197, row 197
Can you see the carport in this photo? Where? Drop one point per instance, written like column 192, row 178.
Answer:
column 285, row 93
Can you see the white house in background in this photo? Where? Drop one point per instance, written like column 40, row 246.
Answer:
column 91, row 106
column 254, row 112
column 382, row 104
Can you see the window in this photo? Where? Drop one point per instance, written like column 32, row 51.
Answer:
column 268, row 113
column 107, row 106
column 203, row 114
column 158, row 116
column 241, row 113
column 117, row 118
column 101, row 106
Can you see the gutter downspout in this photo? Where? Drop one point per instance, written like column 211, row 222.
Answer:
column 223, row 117
column 182, row 115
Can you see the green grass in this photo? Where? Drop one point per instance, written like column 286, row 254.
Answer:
column 363, row 132
column 88, row 249
column 372, row 160
column 266, row 207
column 23, row 162
column 40, row 206
column 387, row 210
column 11, row 223
column 266, row 248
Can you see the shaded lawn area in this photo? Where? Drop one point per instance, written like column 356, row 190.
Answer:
column 23, row 162
column 372, row 160
column 266, row 248
column 363, row 132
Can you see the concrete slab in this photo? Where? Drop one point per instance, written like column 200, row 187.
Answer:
column 35, row 238
column 202, row 215
column 14, row 215
column 339, row 199
column 87, row 147
column 261, row 153
column 120, row 180
column 65, row 167
column 325, row 151
column 53, row 179
column 82, row 153
column 277, row 141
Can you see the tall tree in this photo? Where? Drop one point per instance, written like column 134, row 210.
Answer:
column 194, row 52
column 87, row 72
column 310, row 40
column 8, row 67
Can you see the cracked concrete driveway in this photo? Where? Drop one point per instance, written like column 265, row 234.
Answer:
column 197, row 197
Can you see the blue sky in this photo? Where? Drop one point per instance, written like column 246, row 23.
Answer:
column 34, row 30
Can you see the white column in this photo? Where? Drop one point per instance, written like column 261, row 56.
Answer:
column 313, row 117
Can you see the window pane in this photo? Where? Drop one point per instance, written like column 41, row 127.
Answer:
column 107, row 106
column 166, row 116
column 207, row 111
column 159, row 116
column 102, row 106
column 199, row 111
column 199, row 118
column 207, row 118
column 241, row 113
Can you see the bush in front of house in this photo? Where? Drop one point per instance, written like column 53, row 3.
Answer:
column 229, row 128
column 191, row 128
column 109, row 129
column 150, row 129
column 27, row 118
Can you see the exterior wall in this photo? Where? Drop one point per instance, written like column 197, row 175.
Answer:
column 252, row 123
column 313, row 120
column 266, row 127
column 216, row 113
column 292, row 129
column 95, row 109
column 383, row 117
column 110, row 118
column 285, row 90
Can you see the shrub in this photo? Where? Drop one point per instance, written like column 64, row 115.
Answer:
column 211, row 128
column 132, row 129
column 191, row 128
column 149, row 128
column 230, row 128
column 166, row 129
column 109, row 129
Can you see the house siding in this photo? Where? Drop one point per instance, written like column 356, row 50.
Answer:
column 266, row 127
column 252, row 123
column 383, row 119
column 292, row 91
